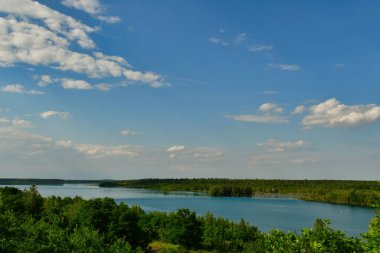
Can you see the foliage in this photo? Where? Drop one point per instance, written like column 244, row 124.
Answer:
column 183, row 228
column 222, row 235
column 30, row 223
column 361, row 193
column 30, row 181
column 163, row 247
column 373, row 236
column 322, row 238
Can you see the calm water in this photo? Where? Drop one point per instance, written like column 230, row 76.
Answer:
column 266, row 213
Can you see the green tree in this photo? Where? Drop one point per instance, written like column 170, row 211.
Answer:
column 372, row 237
column 183, row 228
column 322, row 238
column 33, row 201
column 86, row 240
column 97, row 213
column 11, row 200
column 276, row 241
column 225, row 236
column 124, row 224
column 11, row 233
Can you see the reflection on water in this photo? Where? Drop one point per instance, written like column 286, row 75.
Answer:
column 266, row 213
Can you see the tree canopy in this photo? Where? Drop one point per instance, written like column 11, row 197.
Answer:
column 31, row 223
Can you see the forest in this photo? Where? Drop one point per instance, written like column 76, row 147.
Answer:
column 359, row 193
column 43, row 181
column 32, row 223
column 30, row 181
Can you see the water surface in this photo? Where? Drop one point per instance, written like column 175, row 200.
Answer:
column 266, row 213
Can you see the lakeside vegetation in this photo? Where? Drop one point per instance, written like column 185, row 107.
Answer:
column 349, row 192
column 40, row 181
column 30, row 181
column 360, row 193
column 31, row 223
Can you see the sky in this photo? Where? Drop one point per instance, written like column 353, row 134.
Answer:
column 126, row 89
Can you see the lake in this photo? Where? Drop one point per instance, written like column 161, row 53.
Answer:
column 266, row 213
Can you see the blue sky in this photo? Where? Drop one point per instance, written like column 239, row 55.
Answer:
column 143, row 88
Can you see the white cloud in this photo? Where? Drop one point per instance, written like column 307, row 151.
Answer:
column 23, row 42
column 285, row 67
column 4, row 120
column 255, row 48
column 21, row 149
column 279, row 146
column 127, row 132
column 68, row 83
column 92, row 7
column 109, row 19
column 15, row 133
column 198, row 153
column 271, row 115
column 101, row 151
column 206, row 153
column 103, row 86
column 64, row 143
column 13, row 88
column 21, row 123
column 268, row 107
column 16, row 123
column 44, row 80
column 18, row 88
column 49, row 114
column 54, row 20
column 118, row 59
column 215, row 40
column 332, row 113
column 274, row 119
column 240, row 38
column 34, row 92
column 75, row 84
column 175, row 149
column 48, row 43
column 152, row 79
column 20, row 144
column 299, row 109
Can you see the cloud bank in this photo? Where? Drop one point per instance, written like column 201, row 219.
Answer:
column 35, row 34
column 332, row 113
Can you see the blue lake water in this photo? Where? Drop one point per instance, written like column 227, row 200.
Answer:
column 266, row 213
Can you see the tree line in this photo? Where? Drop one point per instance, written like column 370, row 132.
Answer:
column 30, row 181
column 360, row 193
column 31, row 223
